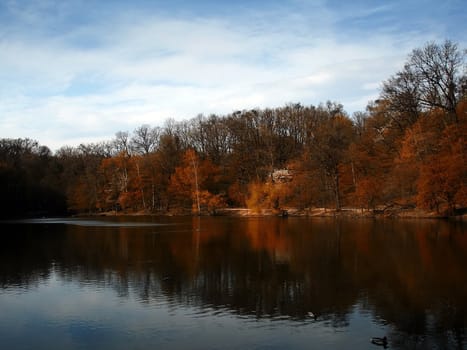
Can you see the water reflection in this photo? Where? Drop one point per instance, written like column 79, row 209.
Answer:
column 408, row 276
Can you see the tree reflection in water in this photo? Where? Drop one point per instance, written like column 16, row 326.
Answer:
column 410, row 275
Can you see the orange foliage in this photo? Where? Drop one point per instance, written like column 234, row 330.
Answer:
column 367, row 192
column 383, row 157
column 79, row 198
column 443, row 177
column 236, row 193
column 267, row 195
column 210, row 201
column 258, row 197
column 123, row 183
column 188, row 185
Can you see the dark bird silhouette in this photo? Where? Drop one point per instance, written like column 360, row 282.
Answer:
column 380, row 341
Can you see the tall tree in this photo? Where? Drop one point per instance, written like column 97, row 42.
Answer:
column 329, row 149
column 191, row 182
column 433, row 77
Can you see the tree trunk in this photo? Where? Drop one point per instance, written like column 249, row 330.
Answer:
column 195, row 170
column 336, row 189
column 141, row 185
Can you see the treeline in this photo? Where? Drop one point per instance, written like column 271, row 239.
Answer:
column 30, row 179
column 407, row 148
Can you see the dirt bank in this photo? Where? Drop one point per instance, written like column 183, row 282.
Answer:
column 393, row 212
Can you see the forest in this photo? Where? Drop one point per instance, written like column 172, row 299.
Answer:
column 407, row 148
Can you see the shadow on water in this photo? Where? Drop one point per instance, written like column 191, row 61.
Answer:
column 408, row 275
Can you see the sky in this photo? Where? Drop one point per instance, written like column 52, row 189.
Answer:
column 78, row 71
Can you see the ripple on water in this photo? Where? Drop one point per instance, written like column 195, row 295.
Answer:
column 88, row 222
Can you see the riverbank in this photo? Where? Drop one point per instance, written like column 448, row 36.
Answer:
column 392, row 212
column 344, row 212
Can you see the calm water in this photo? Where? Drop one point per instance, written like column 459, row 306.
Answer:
column 232, row 283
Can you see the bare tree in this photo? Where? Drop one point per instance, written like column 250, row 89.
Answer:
column 438, row 69
column 402, row 95
column 121, row 142
column 145, row 139
column 432, row 78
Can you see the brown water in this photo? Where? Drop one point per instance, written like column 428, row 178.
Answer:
column 232, row 283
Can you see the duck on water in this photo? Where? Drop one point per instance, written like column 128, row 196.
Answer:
column 380, row 341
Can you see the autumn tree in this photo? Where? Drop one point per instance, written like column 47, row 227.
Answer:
column 189, row 185
column 247, row 161
column 272, row 194
column 210, row 136
column 376, row 146
column 127, row 183
column 329, row 149
column 408, row 147
column 442, row 184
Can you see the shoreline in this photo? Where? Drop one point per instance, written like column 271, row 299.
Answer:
column 392, row 213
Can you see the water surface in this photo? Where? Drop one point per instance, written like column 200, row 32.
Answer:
column 232, row 283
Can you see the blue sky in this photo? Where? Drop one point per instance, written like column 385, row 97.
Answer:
column 79, row 71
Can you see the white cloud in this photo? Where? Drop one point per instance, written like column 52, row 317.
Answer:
column 90, row 81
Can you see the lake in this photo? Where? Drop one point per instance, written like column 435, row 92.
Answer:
column 232, row 283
